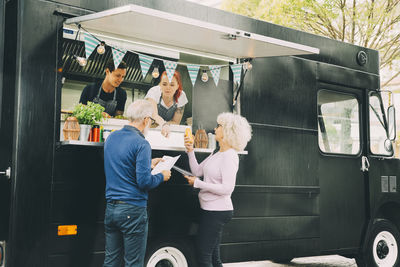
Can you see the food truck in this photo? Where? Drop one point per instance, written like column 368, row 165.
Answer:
column 317, row 178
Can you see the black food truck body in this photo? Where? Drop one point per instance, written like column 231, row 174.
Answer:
column 318, row 176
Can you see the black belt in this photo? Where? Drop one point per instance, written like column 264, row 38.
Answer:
column 116, row 202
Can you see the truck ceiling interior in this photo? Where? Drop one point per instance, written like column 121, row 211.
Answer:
column 96, row 64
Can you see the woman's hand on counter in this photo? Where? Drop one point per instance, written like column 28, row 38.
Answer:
column 165, row 130
column 155, row 161
column 190, row 179
column 189, row 143
column 106, row 115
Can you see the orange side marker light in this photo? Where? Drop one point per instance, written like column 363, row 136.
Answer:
column 67, row 230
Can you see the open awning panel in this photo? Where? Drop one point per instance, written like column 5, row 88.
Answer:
column 169, row 31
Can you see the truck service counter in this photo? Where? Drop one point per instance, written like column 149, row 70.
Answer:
column 174, row 142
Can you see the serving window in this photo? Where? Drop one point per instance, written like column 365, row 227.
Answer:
column 212, row 99
column 76, row 77
column 217, row 52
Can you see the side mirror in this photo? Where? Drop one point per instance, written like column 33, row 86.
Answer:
column 388, row 145
column 391, row 123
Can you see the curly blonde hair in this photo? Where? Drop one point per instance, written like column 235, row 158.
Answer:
column 237, row 131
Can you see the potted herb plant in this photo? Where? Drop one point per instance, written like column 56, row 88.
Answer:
column 87, row 116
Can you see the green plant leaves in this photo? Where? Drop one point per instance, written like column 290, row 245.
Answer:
column 88, row 114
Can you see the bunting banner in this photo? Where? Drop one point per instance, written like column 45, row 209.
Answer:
column 193, row 72
column 145, row 63
column 215, row 72
column 118, row 55
column 170, row 67
column 90, row 44
column 237, row 72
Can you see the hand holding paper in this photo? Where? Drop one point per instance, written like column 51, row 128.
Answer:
column 190, row 179
column 155, row 161
column 165, row 164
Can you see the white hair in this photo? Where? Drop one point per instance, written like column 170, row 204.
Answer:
column 139, row 110
column 236, row 129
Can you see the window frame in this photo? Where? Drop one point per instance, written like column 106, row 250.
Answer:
column 357, row 98
column 384, row 117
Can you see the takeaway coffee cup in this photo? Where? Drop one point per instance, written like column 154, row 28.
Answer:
column 211, row 141
column 106, row 133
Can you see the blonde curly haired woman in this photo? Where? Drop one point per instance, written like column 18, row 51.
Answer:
column 219, row 170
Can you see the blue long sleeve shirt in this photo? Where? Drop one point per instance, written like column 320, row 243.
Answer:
column 127, row 165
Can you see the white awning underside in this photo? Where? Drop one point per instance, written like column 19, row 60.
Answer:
column 155, row 28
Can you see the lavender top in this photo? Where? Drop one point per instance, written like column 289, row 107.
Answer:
column 219, row 171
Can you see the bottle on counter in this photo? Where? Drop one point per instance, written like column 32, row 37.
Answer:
column 96, row 133
column 200, row 139
column 101, row 133
column 106, row 133
column 90, row 138
column 188, row 132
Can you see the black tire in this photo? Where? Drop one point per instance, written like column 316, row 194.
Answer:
column 164, row 253
column 382, row 246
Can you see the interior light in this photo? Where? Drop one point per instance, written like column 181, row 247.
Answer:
column 81, row 61
column 101, row 49
column 204, row 76
column 155, row 73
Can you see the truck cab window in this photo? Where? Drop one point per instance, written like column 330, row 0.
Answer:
column 377, row 126
column 338, row 123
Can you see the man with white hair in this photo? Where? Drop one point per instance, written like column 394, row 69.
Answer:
column 127, row 165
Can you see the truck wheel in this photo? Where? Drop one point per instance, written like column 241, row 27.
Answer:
column 382, row 247
column 170, row 254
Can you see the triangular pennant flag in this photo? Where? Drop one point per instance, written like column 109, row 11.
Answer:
column 145, row 63
column 118, row 55
column 193, row 72
column 90, row 44
column 215, row 72
column 170, row 67
column 237, row 72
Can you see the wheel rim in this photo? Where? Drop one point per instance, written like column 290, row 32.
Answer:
column 385, row 249
column 167, row 257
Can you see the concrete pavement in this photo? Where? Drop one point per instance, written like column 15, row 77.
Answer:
column 321, row 261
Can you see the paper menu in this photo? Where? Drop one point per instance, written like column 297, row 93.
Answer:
column 165, row 165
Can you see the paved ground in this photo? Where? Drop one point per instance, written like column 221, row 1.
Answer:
column 323, row 261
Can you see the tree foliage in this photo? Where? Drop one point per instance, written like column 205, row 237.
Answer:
column 370, row 23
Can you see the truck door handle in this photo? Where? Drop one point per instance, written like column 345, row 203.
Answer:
column 364, row 164
column 6, row 173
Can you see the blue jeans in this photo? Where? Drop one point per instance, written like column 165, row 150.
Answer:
column 209, row 236
column 126, row 229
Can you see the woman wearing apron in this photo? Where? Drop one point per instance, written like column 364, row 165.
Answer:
column 169, row 100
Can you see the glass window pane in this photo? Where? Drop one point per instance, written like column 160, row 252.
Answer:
column 338, row 123
column 377, row 131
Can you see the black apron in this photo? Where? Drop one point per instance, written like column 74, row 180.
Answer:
column 110, row 106
column 166, row 113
